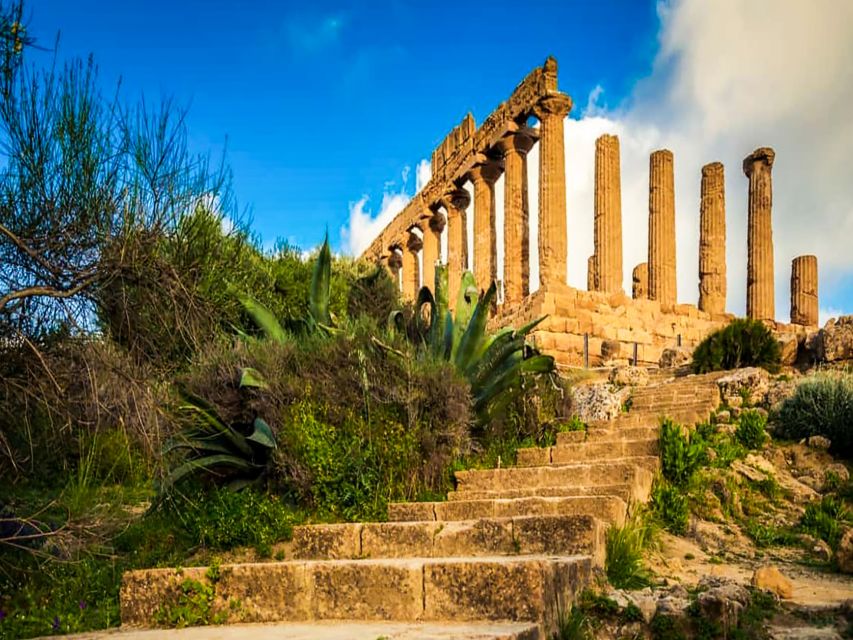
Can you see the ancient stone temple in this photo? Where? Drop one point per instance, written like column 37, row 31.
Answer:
column 600, row 324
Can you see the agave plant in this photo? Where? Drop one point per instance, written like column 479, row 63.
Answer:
column 319, row 317
column 494, row 364
column 232, row 454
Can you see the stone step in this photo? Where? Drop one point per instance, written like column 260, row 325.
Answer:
column 337, row 630
column 573, row 475
column 523, row 535
column 608, row 509
column 589, row 451
column 521, row 588
column 616, row 434
column 623, row 491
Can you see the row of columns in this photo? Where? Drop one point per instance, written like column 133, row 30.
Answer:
column 654, row 279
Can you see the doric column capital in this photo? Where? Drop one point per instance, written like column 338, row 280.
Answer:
column 414, row 242
column 456, row 200
column 395, row 258
column 761, row 157
column 519, row 142
column 437, row 222
column 554, row 105
column 489, row 171
column 712, row 169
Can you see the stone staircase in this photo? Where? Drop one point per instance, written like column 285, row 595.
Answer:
column 503, row 556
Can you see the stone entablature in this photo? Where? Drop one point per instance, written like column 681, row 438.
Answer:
column 652, row 318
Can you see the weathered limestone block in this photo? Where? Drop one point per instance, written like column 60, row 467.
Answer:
column 397, row 539
column 751, row 382
column 712, row 240
column 598, row 401
column 804, row 303
column 835, row 340
column 483, row 177
column 674, row 357
column 640, row 278
column 760, row 296
column 629, row 376
column 327, row 542
column 516, row 274
column 789, row 344
column 844, row 554
column 770, row 578
column 662, row 276
column 610, row 349
column 474, row 538
column 551, row 110
column 608, row 215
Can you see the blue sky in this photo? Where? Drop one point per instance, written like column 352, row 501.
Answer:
column 325, row 105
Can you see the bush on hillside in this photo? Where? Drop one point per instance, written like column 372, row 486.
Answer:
column 742, row 343
column 821, row 405
column 680, row 455
column 750, row 430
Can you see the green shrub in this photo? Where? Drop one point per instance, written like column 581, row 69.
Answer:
column 742, row 343
column 821, row 405
column 826, row 520
column 680, row 455
column 670, row 507
column 750, row 429
column 624, row 564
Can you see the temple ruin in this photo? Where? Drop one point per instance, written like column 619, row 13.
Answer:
column 601, row 324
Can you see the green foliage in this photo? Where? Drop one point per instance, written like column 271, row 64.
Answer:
column 742, row 343
column 670, row 507
column 196, row 603
column 495, row 365
column 235, row 454
column 680, row 455
column 767, row 535
column 573, row 625
column 625, row 546
column 751, row 429
column 826, row 520
column 821, row 405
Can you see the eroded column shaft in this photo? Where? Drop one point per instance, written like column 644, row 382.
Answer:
column 640, row 281
column 455, row 204
column 516, row 272
column 608, row 215
column 411, row 268
column 804, row 302
column 760, row 294
column 551, row 110
column 591, row 275
column 712, row 240
column 662, row 274
column 485, row 234
column 432, row 248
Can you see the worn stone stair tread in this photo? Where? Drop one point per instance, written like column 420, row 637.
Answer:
column 620, row 490
column 336, row 630
column 520, row 535
column 459, row 589
column 573, row 438
column 589, row 451
column 609, row 509
column 573, row 474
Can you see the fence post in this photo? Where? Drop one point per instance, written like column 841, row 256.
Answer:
column 586, row 351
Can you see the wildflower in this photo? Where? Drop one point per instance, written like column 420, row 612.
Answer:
column 82, row 604
column 56, row 623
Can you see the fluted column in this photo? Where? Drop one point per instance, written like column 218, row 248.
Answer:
column 591, row 274
column 485, row 235
column 640, row 281
column 760, row 295
column 395, row 264
column 804, row 303
column 411, row 270
column 608, row 215
column 551, row 110
column 662, row 282
column 712, row 240
column 516, row 275
column 455, row 204
column 432, row 247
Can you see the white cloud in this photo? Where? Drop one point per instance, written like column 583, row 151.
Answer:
column 825, row 314
column 423, row 172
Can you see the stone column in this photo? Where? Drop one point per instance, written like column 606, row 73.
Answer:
column 608, row 215
column 551, row 110
column 760, row 296
column 804, row 307
column 411, row 271
column 395, row 264
column 516, row 275
column 662, row 283
column 455, row 204
column 591, row 274
column 485, row 235
column 432, row 247
column 640, row 281
column 712, row 240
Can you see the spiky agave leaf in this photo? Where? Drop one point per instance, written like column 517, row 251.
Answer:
column 475, row 333
column 264, row 319
column 208, row 464
column 466, row 303
column 318, row 302
column 538, row 364
column 253, row 379
column 262, row 434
